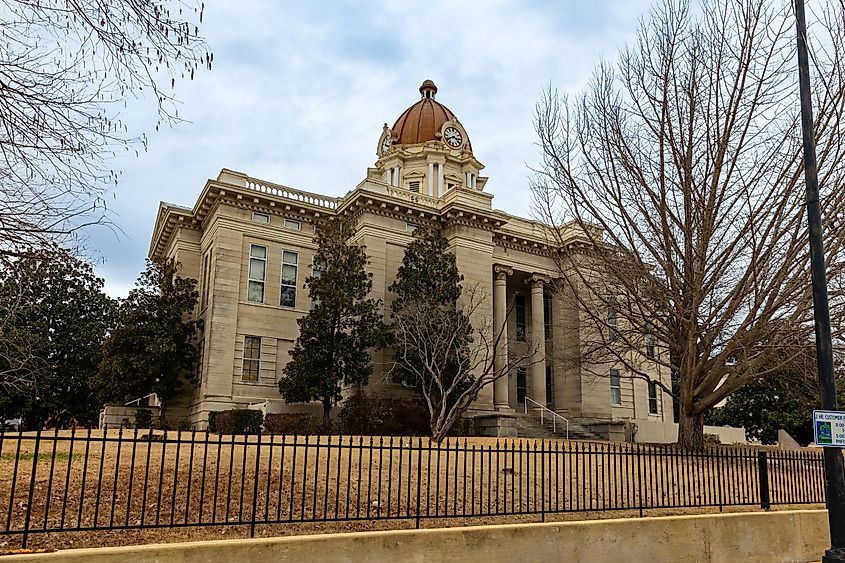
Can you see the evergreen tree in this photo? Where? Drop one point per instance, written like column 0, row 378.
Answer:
column 335, row 337
column 432, row 335
column 428, row 271
column 55, row 318
column 154, row 344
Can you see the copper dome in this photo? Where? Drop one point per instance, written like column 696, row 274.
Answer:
column 422, row 121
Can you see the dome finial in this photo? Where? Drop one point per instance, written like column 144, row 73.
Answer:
column 428, row 89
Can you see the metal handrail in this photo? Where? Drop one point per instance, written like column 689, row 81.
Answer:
column 544, row 409
column 139, row 399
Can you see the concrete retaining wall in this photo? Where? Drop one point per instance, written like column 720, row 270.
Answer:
column 654, row 432
column 115, row 416
column 795, row 536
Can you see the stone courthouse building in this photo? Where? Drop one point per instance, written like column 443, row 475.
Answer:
column 250, row 245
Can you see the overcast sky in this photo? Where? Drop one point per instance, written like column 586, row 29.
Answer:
column 300, row 90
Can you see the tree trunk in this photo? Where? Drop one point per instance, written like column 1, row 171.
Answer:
column 690, row 431
column 327, row 408
column 437, row 434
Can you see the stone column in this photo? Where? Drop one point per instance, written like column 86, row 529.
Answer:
column 500, row 335
column 440, row 186
column 430, row 178
column 537, row 378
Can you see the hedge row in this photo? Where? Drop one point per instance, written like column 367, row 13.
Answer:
column 236, row 421
column 361, row 414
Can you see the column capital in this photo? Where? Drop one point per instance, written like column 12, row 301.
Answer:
column 538, row 280
column 501, row 271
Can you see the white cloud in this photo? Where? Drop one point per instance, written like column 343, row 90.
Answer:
column 299, row 93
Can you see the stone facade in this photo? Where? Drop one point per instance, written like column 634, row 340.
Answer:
column 249, row 243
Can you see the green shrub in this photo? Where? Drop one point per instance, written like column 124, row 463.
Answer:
column 462, row 427
column 212, row 421
column 178, row 423
column 354, row 416
column 297, row 425
column 366, row 414
column 239, row 421
column 143, row 418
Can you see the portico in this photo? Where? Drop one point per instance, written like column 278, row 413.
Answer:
column 532, row 346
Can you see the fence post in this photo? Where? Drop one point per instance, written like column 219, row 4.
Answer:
column 639, row 479
column 419, row 476
column 719, row 472
column 543, row 480
column 255, row 484
column 31, row 488
column 763, row 479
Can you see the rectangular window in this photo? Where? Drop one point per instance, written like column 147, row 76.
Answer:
column 260, row 217
column 520, row 318
column 252, row 358
column 547, row 314
column 612, row 322
column 521, row 385
column 317, row 269
column 550, row 388
column 293, row 225
column 414, row 186
column 410, row 227
column 198, row 367
column 615, row 388
column 289, row 269
column 257, row 273
column 206, row 272
column 652, row 397
column 649, row 345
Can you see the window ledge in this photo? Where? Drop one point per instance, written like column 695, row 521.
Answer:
column 271, row 306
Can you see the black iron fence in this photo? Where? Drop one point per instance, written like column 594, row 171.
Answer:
column 92, row 480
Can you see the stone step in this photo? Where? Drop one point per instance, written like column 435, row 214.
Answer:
column 529, row 426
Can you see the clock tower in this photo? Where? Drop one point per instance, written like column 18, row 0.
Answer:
column 427, row 150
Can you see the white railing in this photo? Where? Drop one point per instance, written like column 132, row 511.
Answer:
column 290, row 193
column 543, row 409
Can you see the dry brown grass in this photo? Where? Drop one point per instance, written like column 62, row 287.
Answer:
column 130, row 483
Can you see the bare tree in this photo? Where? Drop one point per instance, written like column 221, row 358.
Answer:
column 680, row 171
column 67, row 69
column 449, row 351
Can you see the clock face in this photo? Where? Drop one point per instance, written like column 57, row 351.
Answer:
column 385, row 145
column 452, row 137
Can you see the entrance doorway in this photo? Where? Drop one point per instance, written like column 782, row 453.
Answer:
column 521, row 385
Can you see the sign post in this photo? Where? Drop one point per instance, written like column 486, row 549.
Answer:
column 833, row 462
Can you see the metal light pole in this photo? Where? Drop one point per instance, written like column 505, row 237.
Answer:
column 834, row 469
